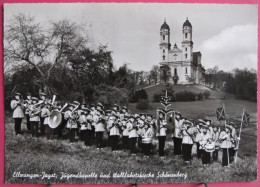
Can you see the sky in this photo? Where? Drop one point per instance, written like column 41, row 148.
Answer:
column 225, row 34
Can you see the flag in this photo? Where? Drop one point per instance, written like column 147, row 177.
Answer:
column 220, row 113
column 246, row 118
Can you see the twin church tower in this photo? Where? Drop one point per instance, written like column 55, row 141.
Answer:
column 185, row 65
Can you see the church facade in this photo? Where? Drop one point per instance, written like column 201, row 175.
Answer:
column 184, row 65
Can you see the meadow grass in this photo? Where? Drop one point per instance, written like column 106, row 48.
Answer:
column 27, row 155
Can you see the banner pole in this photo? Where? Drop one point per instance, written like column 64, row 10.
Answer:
column 240, row 133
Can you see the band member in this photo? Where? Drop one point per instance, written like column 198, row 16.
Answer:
column 225, row 140
column 44, row 101
column 132, row 128
column 18, row 115
column 187, row 141
column 177, row 136
column 204, row 139
column 114, row 133
column 215, row 138
column 94, row 121
column 82, row 121
column 110, row 121
column 45, row 114
column 72, row 117
column 233, row 141
column 100, row 128
column 34, row 113
column 161, row 133
column 198, row 137
column 115, row 111
column 27, row 103
column 152, row 122
column 147, row 135
column 125, row 134
column 88, row 137
column 123, row 112
column 140, row 125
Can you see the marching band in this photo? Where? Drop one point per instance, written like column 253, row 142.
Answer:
column 137, row 133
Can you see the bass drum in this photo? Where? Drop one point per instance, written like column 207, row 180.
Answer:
column 55, row 119
column 209, row 147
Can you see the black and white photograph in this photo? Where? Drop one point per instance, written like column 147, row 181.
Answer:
column 118, row 93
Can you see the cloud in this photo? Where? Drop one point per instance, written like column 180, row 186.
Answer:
column 234, row 47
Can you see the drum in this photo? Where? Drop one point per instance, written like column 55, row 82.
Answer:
column 147, row 140
column 209, row 146
column 55, row 119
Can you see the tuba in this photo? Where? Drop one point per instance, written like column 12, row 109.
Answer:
column 56, row 117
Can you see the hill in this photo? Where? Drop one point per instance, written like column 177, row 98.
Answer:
column 196, row 88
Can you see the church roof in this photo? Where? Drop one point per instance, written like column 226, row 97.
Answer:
column 187, row 23
column 175, row 49
column 165, row 25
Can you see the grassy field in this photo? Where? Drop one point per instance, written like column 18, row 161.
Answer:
column 34, row 156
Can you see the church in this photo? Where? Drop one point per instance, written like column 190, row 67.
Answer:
column 184, row 64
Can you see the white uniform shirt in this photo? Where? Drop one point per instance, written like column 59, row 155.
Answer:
column 177, row 128
column 161, row 124
column 132, row 130
column 17, row 109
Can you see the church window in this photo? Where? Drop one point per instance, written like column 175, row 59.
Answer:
column 186, row 35
column 163, row 37
column 186, row 56
column 163, row 57
column 163, row 50
column 175, row 71
column 186, row 70
column 185, row 48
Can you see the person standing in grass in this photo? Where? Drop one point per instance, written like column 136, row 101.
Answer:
column 204, row 139
column 34, row 113
column 114, row 133
column 132, row 128
column 18, row 115
column 28, row 102
column 100, row 128
column 125, row 133
column 225, row 140
column 177, row 136
column 215, row 138
column 187, row 141
column 147, row 135
column 234, row 137
column 45, row 114
column 161, row 132
column 198, row 135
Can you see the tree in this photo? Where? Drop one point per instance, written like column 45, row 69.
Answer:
column 165, row 73
column 26, row 42
column 154, row 74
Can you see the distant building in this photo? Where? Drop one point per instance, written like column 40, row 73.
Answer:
column 185, row 65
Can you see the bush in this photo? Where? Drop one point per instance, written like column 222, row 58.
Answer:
column 185, row 96
column 206, row 94
column 142, row 104
column 140, row 94
column 200, row 96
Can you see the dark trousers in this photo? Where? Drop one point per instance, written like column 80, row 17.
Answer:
column 87, row 137
column 139, row 143
column 72, row 134
column 28, row 122
column 146, row 148
column 161, row 145
column 60, row 128
column 43, row 127
column 34, row 128
column 186, row 151
column 82, row 135
column 232, row 154
column 132, row 144
column 125, row 142
column 226, row 156
column 114, row 142
column 49, row 132
column 205, row 157
column 17, row 125
column 99, row 139
column 177, row 145
column 215, row 155
column 198, row 150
